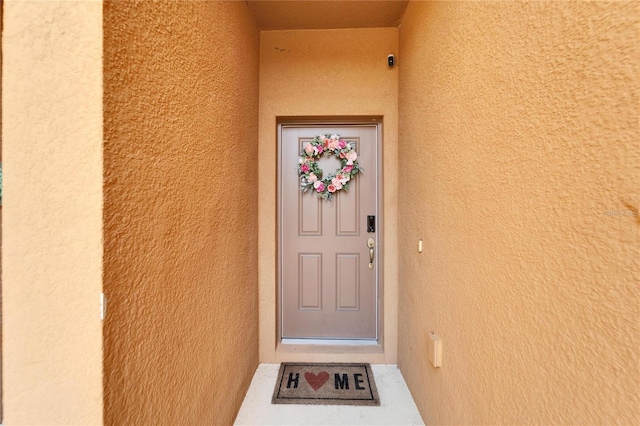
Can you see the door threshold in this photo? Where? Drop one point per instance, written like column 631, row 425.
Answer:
column 335, row 350
column 334, row 342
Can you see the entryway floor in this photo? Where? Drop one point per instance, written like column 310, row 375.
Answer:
column 396, row 404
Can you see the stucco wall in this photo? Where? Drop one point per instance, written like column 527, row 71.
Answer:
column 519, row 146
column 181, row 132
column 52, row 218
column 325, row 73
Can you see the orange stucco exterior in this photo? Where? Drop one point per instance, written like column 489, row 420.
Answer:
column 519, row 138
column 52, row 212
column 335, row 73
column 180, row 211
column 511, row 148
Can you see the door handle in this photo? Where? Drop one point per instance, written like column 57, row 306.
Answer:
column 371, row 243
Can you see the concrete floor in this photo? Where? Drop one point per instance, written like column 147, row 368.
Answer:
column 396, row 404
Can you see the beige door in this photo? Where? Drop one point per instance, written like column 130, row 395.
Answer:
column 329, row 283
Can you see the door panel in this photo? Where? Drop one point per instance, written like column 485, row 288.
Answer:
column 348, row 281
column 310, row 282
column 309, row 216
column 348, row 211
column 327, row 289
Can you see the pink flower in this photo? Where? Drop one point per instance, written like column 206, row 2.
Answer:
column 337, row 184
column 308, row 149
column 332, row 145
column 352, row 156
column 332, row 188
column 304, row 168
column 320, row 149
column 343, row 179
column 347, row 169
column 312, row 177
column 342, row 144
column 319, row 186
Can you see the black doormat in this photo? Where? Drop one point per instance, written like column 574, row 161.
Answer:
column 325, row 384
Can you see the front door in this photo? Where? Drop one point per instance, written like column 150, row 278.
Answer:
column 329, row 253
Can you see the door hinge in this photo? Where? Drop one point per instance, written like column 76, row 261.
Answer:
column 103, row 306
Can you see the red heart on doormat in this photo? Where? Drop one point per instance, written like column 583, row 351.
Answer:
column 316, row 381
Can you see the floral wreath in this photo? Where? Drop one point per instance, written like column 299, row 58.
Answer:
column 311, row 175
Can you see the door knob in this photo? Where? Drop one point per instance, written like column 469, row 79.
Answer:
column 371, row 243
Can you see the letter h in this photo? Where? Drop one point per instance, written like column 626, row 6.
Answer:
column 293, row 380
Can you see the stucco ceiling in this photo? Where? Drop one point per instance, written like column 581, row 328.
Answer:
column 294, row 15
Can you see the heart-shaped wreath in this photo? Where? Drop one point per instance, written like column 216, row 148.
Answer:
column 311, row 175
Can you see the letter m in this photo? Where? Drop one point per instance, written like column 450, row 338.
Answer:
column 342, row 383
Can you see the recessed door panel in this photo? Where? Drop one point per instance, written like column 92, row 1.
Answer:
column 310, row 281
column 309, row 216
column 348, row 214
column 309, row 208
column 348, row 281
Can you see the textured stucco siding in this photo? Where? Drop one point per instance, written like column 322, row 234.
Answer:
column 180, row 214
column 52, row 212
column 519, row 152
column 329, row 73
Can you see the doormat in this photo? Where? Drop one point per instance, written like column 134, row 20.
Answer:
column 325, row 384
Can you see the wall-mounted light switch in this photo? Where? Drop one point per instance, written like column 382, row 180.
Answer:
column 419, row 246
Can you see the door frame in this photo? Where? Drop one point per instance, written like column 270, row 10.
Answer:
column 340, row 345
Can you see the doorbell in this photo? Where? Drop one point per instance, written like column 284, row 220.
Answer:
column 391, row 60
